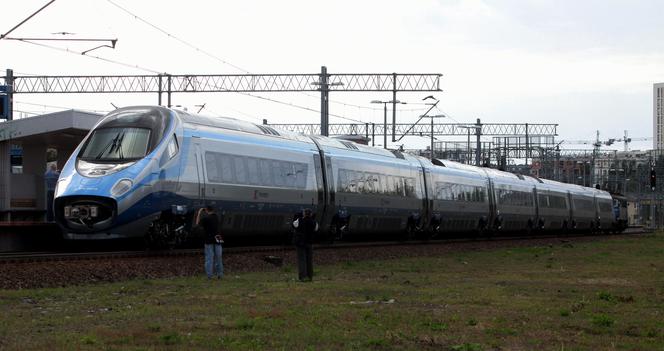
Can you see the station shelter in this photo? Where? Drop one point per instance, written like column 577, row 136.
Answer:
column 28, row 147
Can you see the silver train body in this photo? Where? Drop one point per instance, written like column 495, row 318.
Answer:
column 144, row 171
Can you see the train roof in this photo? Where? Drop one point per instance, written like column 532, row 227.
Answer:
column 248, row 127
column 239, row 125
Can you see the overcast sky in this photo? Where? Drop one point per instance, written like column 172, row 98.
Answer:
column 586, row 65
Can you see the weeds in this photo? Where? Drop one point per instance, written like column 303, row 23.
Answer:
column 602, row 320
column 467, row 347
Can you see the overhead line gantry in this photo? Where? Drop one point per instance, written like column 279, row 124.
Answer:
column 168, row 84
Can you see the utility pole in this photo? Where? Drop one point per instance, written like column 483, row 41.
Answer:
column 478, row 150
column 596, row 147
column 394, row 108
column 9, row 79
column 324, row 102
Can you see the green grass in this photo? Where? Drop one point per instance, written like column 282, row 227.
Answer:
column 587, row 296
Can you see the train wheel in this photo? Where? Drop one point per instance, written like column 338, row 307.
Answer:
column 160, row 236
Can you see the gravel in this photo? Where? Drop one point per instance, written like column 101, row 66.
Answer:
column 26, row 275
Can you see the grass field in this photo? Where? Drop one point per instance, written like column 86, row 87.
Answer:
column 600, row 295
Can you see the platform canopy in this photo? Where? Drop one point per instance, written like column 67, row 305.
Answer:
column 54, row 128
column 24, row 144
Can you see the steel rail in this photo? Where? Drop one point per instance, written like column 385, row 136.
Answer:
column 29, row 257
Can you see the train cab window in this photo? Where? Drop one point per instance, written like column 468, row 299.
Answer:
column 114, row 144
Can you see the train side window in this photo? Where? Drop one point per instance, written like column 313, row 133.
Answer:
column 266, row 174
column 226, row 166
column 342, row 182
column 352, row 181
column 301, row 175
column 211, row 166
column 383, row 184
column 290, row 173
column 360, row 187
column 399, row 186
column 277, row 173
column 240, row 170
column 409, row 187
column 368, row 183
column 252, row 170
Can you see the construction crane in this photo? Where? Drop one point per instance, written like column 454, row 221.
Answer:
column 597, row 143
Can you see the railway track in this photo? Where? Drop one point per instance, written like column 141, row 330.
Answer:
column 17, row 257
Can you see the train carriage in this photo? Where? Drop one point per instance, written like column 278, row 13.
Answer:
column 604, row 206
column 553, row 206
column 144, row 171
column 256, row 177
column 584, row 209
column 373, row 190
column 459, row 197
column 515, row 201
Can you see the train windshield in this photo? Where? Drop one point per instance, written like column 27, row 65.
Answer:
column 117, row 144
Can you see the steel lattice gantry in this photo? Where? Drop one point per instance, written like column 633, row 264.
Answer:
column 218, row 83
column 322, row 82
column 440, row 129
column 533, row 138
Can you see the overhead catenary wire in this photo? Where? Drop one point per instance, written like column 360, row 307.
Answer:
column 59, row 107
column 226, row 62
column 67, row 50
column 157, row 72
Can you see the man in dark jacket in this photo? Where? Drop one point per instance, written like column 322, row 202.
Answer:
column 209, row 221
column 305, row 228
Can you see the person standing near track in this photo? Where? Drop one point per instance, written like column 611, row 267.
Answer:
column 51, row 179
column 209, row 222
column 305, row 229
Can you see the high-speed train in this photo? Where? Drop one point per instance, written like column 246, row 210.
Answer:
column 143, row 171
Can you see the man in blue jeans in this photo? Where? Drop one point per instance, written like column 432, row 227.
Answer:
column 213, row 240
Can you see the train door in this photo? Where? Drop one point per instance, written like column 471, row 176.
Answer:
column 321, row 206
column 539, row 220
column 428, row 196
column 495, row 220
column 329, row 182
column 200, row 161
column 572, row 220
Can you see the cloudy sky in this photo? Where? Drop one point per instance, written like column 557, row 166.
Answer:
column 585, row 65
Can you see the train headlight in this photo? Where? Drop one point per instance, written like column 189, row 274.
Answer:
column 90, row 169
column 121, row 187
column 60, row 186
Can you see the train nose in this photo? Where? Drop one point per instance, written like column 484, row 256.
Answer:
column 85, row 213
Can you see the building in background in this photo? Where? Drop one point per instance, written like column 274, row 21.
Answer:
column 658, row 116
